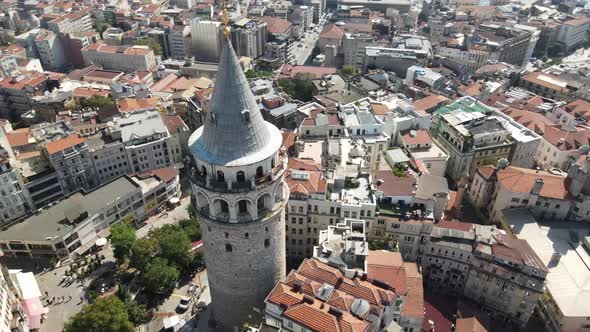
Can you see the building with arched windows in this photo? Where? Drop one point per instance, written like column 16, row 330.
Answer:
column 237, row 176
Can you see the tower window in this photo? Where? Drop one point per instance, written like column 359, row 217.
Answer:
column 240, row 176
column 220, row 176
column 259, row 172
column 228, row 247
column 267, row 243
column 226, row 235
column 246, row 235
column 224, row 206
column 243, row 206
column 246, row 116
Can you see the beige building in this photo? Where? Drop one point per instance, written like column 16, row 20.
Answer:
column 545, row 194
column 123, row 58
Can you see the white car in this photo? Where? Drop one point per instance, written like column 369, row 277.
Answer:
column 184, row 304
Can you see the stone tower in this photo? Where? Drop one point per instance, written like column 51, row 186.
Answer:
column 237, row 176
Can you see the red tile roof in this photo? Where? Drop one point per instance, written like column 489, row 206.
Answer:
column 19, row 137
column 89, row 92
column 173, row 123
column 393, row 185
column 428, row 103
column 516, row 250
column 456, row 225
column 578, row 21
column 414, row 305
column 315, row 182
column 132, row 105
column 332, row 31
column 579, row 108
column 276, row 25
column 315, row 72
column 64, row 143
column 469, row 325
column 387, row 267
column 522, row 180
column 421, row 136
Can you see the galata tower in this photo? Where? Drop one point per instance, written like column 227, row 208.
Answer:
column 237, row 177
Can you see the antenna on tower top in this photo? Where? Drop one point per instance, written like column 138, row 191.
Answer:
column 225, row 20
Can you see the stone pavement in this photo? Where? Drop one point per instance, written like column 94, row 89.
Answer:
column 59, row 313
column 168, row 308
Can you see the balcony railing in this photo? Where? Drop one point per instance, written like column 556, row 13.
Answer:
column 222, row 186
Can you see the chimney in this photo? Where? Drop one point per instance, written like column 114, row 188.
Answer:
column 537, row 186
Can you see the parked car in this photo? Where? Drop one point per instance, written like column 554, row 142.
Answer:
column 184, row 304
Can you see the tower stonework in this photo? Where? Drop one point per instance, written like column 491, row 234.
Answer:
column 237, row 177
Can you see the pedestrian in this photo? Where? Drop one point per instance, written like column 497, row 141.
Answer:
column 70, row 295
column 81, row 299
column 46, row 294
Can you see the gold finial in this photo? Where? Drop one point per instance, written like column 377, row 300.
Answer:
column 225, row 20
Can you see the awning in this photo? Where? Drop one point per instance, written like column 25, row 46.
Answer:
column 171, row 321
column 34, row 310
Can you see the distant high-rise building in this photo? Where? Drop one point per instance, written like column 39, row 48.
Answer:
column 206, row 39
column 249, row 38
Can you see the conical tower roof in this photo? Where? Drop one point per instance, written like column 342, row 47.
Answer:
column 234, row 132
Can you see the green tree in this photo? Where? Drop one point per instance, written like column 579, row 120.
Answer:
column 191, row 228
column 122, row 239
column 258, row 73
column 152, row 43
column 137, row 312
column 142, row 252
column 175, row 246
column 97, row 102
column 160, row 275
column 106, row 314
column 299, row 87
column 349, row 70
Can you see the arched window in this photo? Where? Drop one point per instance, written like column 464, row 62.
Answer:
column 246, row 235
column 220, row 176
column 203, row 171
column 243, row 206
column 272, row 163
column 259, row 172
column 224, row 206
column 241, row 177
column 260, row 203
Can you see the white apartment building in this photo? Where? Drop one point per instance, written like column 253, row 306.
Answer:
column 13, row 316
column 123, row 58
column 147, row 142
column 71, row 23
column 51, row 50
column 15, row 200
column 249, row 38
column 108, row 157
column 8, row 65
column 179, row 41
column 312, row 208
column 206, row 37
column 573, row 32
